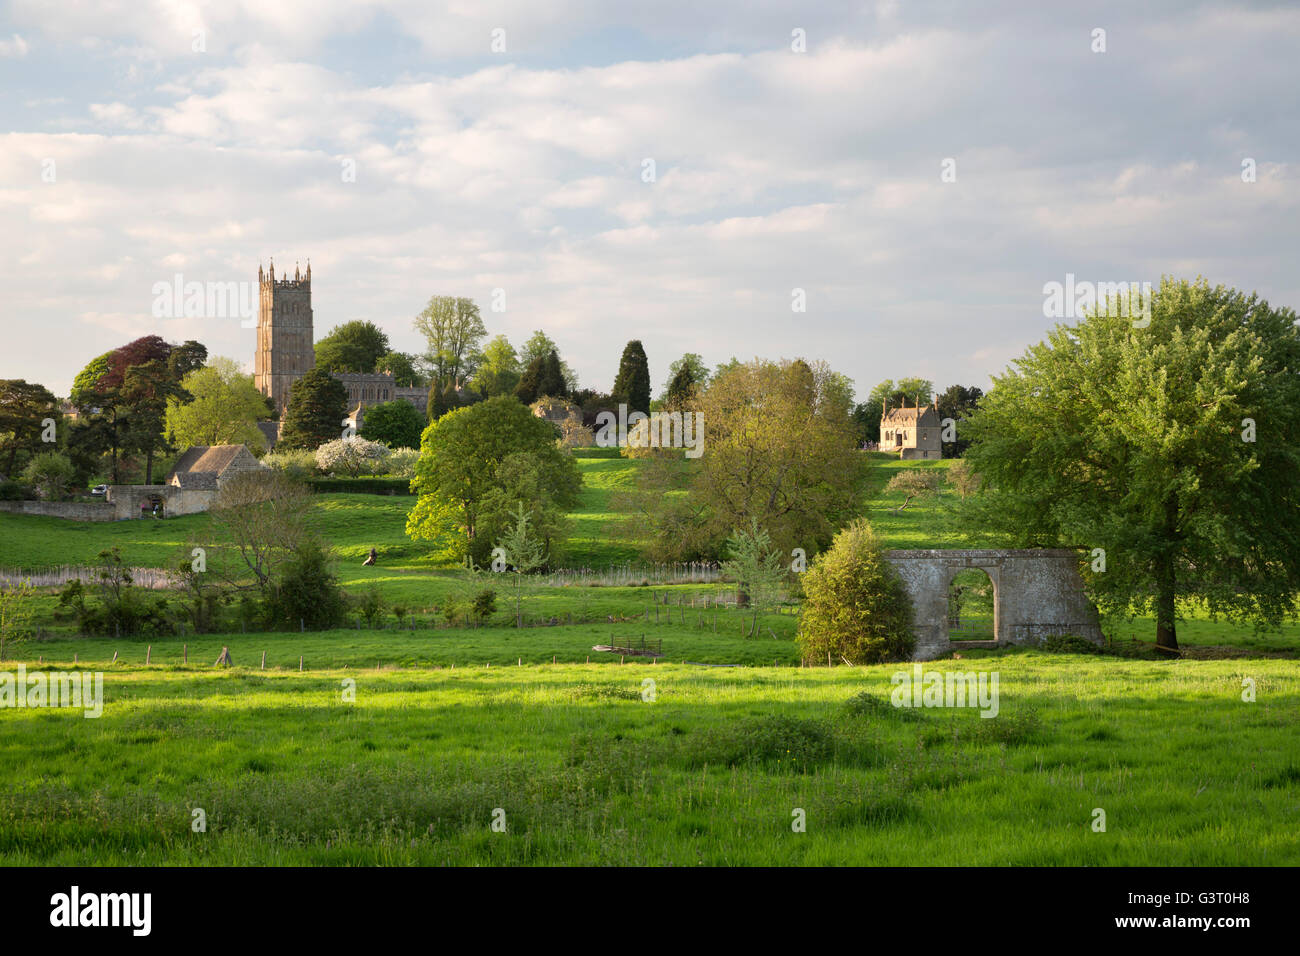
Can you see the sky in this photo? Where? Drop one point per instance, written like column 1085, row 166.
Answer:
column 683, row 173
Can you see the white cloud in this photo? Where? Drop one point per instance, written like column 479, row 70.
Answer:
column 774, row 170
column 16, row 47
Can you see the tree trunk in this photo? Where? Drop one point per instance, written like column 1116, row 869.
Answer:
column 1166, row 630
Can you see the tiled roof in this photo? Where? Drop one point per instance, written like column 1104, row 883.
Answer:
column 905, row 415
column 203, row 460
column 195, row 480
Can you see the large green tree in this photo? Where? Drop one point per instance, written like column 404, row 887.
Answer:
column 453, row 328
column 543, row 378
column 397, row 424
column 539, row 345
column 466, row 460
column 404, row 367
column 1173, row 448
column 498, row 373
column 147, row 390
column 225, row 410
column 317, row 406
column 122, row 400
column 632, row 384
column 352, row 347
column 687, row 377
column 779, row 448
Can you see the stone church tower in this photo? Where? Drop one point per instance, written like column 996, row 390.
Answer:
column 285, row 342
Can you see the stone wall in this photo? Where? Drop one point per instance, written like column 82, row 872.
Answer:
column 121, row 503
column 1037, row 593
column 72, row 510
column 126, row 500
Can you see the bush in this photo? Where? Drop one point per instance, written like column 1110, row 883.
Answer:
column 123, row 610
column 1070, row 644
column 308, row 591
column 11, row 490
column 51, row 474
column 485, row 603
column 296, row 463
column 857, row 607
column 371, row 606
column 361, row 486
column 353, row 456
column 596, row 451
column 400, row 463
column 574, row 434
column 913, row 483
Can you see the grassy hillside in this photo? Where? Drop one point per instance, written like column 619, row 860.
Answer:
column 451, row 723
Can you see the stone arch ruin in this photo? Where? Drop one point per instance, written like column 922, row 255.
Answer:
column 1037, row 593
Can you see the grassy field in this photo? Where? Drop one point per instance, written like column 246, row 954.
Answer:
column 710, row 771
column 451, row 723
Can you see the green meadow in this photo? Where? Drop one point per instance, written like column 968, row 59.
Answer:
column 582, row 765
column 712, row 754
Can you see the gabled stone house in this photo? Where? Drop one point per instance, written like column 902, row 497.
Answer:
column 912, row 432
column 206, row 467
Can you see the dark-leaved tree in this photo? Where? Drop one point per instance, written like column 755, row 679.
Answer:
column 632, row 385
column 958, row 402
column 317, row 406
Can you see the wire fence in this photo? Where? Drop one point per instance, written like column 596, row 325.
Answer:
column 633, row 574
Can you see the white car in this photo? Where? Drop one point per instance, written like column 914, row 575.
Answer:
column 99, row 490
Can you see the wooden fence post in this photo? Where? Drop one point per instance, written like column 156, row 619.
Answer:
column 148, row 652
column 263, row 660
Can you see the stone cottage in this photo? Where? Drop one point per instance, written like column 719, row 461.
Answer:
column 912, row 432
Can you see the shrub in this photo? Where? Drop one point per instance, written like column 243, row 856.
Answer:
column 400, row 463
column 866, row 704
column 354, row 456
column 296, row 463
column 914, row 483
column 11, row 490
column 122, row 608
column 1070, row 644
column 574, row 434
column 857, row 607
column 371, row 606
column 307, row 591
column 485, row 603
column 362, row 486
column 51, row 474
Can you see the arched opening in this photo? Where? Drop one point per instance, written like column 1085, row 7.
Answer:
column 972, row 606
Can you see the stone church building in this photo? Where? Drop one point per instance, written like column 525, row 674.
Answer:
column 286, row 351
column 912, row 432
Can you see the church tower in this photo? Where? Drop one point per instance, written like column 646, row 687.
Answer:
column 285, row 343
